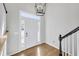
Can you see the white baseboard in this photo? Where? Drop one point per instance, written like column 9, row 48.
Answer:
column 38, row 43
column 52, row 45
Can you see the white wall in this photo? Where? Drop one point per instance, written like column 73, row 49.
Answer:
column 2, row 19
column 13, row 25
column 60, row 19
column 13, row 28
column 42, row 29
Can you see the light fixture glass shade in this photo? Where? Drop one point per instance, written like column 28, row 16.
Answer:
column 40, row 8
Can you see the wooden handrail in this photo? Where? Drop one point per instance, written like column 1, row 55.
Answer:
column 70, row 33
column 5, row 8
column 62, row 37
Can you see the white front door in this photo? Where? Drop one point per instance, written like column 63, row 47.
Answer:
column 29, row 31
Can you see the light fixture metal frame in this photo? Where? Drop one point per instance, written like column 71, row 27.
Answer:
column 40, row 9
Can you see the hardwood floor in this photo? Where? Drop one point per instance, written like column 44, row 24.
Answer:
column 39, row 50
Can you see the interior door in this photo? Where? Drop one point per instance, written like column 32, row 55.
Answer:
column 29, row 32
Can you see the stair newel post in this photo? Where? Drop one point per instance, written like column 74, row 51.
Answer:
column 60, row 46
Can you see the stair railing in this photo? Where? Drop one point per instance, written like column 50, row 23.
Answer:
column 62, row 38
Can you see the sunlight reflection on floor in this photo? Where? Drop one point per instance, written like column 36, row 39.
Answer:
column 38, row 51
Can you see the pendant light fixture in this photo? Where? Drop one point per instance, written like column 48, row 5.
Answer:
column 40, row 8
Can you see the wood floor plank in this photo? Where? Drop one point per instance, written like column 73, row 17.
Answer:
column 39, row 50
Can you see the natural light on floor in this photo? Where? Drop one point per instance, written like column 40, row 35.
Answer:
column 38, row 51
